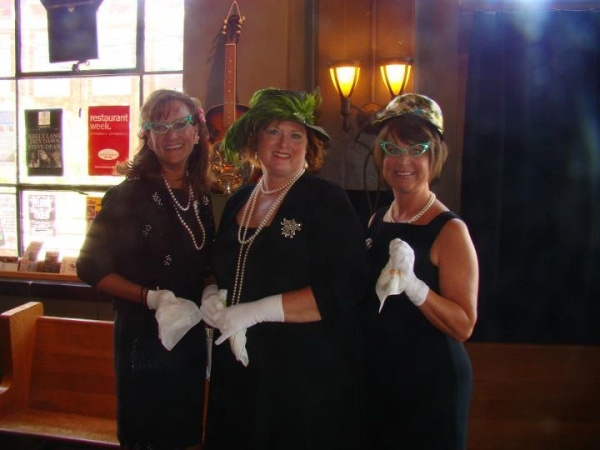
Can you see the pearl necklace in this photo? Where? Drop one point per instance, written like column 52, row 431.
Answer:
column 175, row 201
column 390, row 218
column 242, row 236
column 280, row 188
column 177, row 206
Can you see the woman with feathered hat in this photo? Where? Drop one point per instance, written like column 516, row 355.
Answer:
column 289, row 262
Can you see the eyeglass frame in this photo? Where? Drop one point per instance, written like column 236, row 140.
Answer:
column 404, row 151
column 189, row 120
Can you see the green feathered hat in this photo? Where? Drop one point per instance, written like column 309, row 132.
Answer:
column 267, row 105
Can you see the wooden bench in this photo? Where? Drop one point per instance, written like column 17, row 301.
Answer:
column 534, row 397
column 58, row 377
column 58, row 383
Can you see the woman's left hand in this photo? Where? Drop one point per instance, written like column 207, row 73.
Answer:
column 244, row 315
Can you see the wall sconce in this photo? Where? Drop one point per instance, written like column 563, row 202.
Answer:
column 395, row 74
column 344, row 76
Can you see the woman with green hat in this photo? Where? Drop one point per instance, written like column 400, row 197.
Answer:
column 289, row 262
column 422, row 300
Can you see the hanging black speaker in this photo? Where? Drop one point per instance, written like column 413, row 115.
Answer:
column 72, row 29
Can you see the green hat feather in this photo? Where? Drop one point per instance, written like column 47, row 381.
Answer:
column 267, row 105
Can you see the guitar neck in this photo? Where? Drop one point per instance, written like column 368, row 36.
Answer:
column 229, row 93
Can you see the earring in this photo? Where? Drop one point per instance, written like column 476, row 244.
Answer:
column 256, row 155
column 196, row 138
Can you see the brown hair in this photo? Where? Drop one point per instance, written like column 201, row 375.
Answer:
column 146, row 165
column 414, row 130
column 315, row 150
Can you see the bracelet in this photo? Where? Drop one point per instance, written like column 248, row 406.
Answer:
column 144, row 296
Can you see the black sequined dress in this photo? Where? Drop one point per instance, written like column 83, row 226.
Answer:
column 138, row 235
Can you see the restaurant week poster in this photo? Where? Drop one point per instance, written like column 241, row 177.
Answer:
column 108, row 138
column 43, row 129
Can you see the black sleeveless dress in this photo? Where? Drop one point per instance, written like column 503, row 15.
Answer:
column 418, row 378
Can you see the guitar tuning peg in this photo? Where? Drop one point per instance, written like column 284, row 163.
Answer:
column 242, row 19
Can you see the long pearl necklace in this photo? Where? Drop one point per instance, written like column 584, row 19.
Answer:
column 175, row 201
column 246, row 241
column 177, row 206
column 389, row 217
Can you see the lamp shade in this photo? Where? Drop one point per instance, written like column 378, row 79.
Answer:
column 395, row 74
column 344, row 76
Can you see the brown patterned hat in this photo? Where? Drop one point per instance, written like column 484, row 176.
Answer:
column 414, row 104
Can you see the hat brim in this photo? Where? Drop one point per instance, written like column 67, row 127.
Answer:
column 321, row 133
column 373, row 128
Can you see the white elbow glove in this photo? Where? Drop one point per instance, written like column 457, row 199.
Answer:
column 244, row 315
column 398, row 275
column 213, row 301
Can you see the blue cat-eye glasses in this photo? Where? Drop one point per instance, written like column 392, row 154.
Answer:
column 177, row 125
column 414, row 151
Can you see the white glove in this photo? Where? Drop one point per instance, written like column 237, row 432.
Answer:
column 398, row 275
column 244, row 315
column 402, row 255
column 155, row 299
column 212, row 302
column 238, row 347
column 175, row 320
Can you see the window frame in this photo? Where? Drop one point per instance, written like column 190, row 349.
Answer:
column 138, row 71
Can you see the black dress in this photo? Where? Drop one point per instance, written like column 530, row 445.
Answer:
column 301, row 389
column 137, row 235
column 418, row 378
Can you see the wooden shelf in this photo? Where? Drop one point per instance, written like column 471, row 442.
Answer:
column 39, row 276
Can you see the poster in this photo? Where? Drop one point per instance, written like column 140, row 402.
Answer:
column 42, row 215
column 8, row 225
column 93, row 205
column 108, row 138
column 7, row 138
column 44, row 142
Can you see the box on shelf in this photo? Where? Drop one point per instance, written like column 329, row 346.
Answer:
column 9, row 263
column 29, row 261
column 67, row 266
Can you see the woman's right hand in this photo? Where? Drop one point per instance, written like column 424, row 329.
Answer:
column 212, row 303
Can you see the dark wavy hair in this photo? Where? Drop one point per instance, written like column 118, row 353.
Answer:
column 145, row 164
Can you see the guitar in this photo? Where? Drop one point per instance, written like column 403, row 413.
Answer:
column 219, row 118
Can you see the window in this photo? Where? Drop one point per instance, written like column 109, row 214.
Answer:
column 53, row 205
